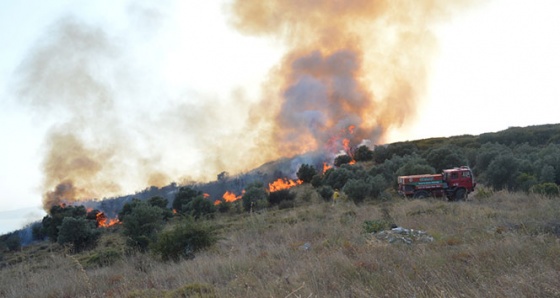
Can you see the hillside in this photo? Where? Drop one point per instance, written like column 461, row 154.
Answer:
column 504, row 240
column 493, row 245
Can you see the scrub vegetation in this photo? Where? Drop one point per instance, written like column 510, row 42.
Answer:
column 318, row 238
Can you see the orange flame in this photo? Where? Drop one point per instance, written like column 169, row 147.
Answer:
column 283, row 183
column 230, row 197
column 326, row 167
column 346, row 144
column 104, row 222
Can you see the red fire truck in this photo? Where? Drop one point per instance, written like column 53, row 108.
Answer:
column 455, row 184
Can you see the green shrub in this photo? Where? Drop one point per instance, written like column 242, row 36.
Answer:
column 103, row 258
column 142, row 224
column 78, row 232
column 255, row 197
column 326, row 192
column 306, row 173
column 341, row 160
column 277, row 197
column 317, row 181
column 184, row 240
column 357, row 189
column 377, row 225
column 547, row 189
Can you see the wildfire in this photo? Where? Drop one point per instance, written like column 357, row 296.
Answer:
column 282, row 183
column 104, row 222
column 326, row 167
column 346, row 144
column 230, row 197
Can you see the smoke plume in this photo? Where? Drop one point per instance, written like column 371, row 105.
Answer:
column 353, row 70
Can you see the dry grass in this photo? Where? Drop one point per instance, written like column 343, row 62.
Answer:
column 504, row 245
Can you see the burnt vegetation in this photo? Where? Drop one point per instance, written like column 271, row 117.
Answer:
column 160, row 227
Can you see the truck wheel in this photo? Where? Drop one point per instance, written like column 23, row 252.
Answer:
column 460, row 194
column 421, row 194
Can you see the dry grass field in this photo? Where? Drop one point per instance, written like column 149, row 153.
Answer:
column 492, row 245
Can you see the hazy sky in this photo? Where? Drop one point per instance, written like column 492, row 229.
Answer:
column 496, row 65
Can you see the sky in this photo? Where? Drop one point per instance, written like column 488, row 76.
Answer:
column 164, row 90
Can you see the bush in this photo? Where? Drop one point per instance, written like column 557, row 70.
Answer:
column 502, row 172
column 103, row 258
column 342, row 159
column 326, row 192
column 142, row 224
column 79, row 232
column 51, row 223
column 317, row 181
column 200, row 207
column 546, row 189
column 363, row 153
column 306, row 173
column 336, row 178
column 255, row 197
column 183, row 197
column 357, row 189
column 378, row 185
column 10, row 241
column 279, row 196
column 377, row 225
column 184, row 240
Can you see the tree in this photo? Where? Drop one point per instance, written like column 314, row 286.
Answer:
column 363, row 153
column 336, row 178
column 445, row 157
column 342, row 159
column 51, row 223
column 326, row 192
column 200, row 207
column 255, row 197
column 357, row 189
column 161, row 202
column 378, row 185
column 183, row 197
column 502, row 172
column 79, row 232
column 306, row 173
column 142, row 224
column 158, row 201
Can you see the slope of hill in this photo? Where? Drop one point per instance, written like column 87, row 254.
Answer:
column 500, row 245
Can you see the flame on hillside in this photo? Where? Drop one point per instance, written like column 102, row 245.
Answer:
column 283, row 183
column 230, row 197
column 326, row 167
column 104, row 222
